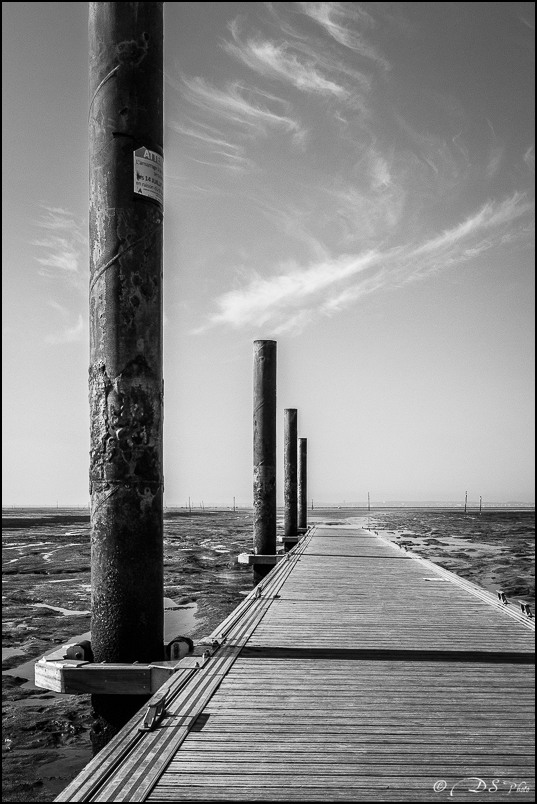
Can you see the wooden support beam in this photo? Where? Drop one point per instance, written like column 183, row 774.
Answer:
column 263, row 560
column 114, row 678
column 57, row 673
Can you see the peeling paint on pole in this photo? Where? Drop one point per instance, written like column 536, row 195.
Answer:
column 264, row 426
column 125, row 376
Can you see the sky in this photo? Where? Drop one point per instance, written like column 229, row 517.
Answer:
column 354, row 181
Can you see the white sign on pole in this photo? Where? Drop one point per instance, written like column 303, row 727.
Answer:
column 149, row 174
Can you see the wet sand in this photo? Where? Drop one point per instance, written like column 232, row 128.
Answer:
column 46, row 602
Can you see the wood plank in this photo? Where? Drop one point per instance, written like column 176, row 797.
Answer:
column 348, row 674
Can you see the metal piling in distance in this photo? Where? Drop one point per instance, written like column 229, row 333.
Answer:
column 264, row 453
column 302, row 484
column 290, row 519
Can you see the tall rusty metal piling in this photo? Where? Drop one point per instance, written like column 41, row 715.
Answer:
column 290, row 487
column 264, row 427
column 125, row 375
column 302, row 484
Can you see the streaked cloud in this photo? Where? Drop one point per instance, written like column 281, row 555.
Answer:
column 62, row 246
column 377, row 171
column 278, row 60
column 529, row 158
column 295, row 295
column 494, row 161
column 67, row 334
column 302, row 63
column 529, row 23
column 342, row 22
column 237, row 104
column 490, row 216
column 264, row 298
column 210, row 141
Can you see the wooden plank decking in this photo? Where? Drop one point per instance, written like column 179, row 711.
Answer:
column 354, row 672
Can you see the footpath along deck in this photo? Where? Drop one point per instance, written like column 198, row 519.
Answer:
column 354, row 672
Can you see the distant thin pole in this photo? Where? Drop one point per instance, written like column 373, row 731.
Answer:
column 368, row 502
column 480, row 503
column 312, row 504
column 233, row 503
column 465, row 501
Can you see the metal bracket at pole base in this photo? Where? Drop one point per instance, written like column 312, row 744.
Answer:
column 154, row 713
column 525, row 608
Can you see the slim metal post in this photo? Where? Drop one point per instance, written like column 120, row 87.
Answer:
column 290, row 473
column 302, row 484
column 125, row 375
column 465, row 501
column 264, row 426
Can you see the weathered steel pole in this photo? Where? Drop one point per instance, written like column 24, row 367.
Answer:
column 302, row 484
column 264, row 421
column 290, row 474
column 125, row 375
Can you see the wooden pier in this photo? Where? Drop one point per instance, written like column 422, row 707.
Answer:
column 354, row 672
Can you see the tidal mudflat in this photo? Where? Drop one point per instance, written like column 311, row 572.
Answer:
column 46, row 601
column 494, row 549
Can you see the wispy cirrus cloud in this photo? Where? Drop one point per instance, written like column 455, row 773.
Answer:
column 343, row 21
column 62, row 259
column 264, row 299
column 62, row 246
column 492, row 215
column 279, row 61
column 211, row 142
column 293, row 296
column 529, row 158
column 242, row 106
column 494, row 161
column 68, row 334
column 301, row 63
